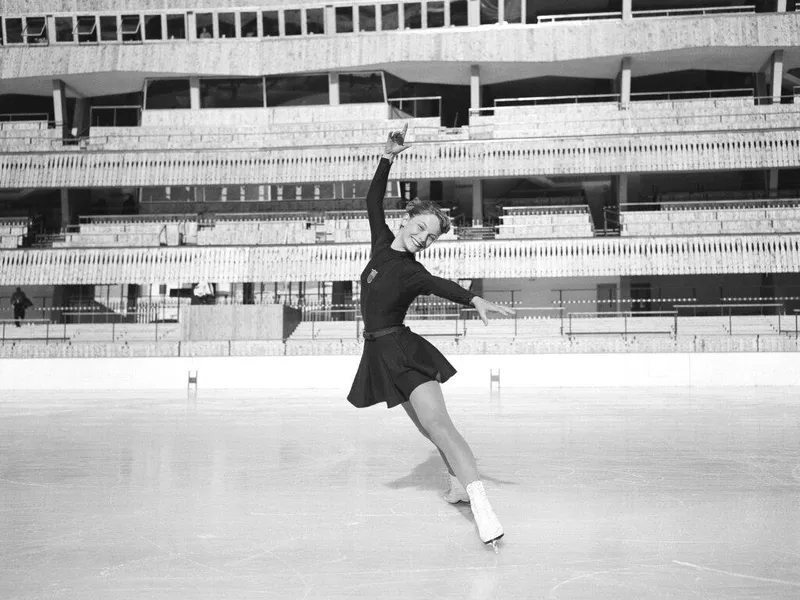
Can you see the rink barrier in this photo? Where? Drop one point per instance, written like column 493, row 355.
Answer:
column 612, row 344
column 335, row 373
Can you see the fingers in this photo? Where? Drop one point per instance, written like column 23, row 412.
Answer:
column 505, row 310
column 405, row 128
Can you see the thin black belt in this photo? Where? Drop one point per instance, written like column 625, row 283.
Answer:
column 371, row 336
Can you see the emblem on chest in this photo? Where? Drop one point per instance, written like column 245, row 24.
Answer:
column 371, row 275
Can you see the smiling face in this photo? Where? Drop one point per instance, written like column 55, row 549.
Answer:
column 419, row 232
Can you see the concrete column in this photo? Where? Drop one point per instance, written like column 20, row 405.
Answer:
column 60, row 106
column 625, row 82
column 474, row 87
column 772, row 181
column 194, row 93
column 51, row 29
column 80, row 117
column 191, row 26
column 333, row 88
column 627, row 10
column 776, row 75
column 621, row 183
column 474, row 13
column 781, row 7
column 65, row 212
column 477, row 203
column 330, row 20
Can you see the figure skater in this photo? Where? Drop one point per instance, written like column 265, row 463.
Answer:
column 397, row 365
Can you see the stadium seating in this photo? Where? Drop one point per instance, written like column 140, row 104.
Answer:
column 228, row 229
column 545, row 222
column 12, row 232
column 694, row 220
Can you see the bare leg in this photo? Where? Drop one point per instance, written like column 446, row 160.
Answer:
column 413, row 416
column 428, row 404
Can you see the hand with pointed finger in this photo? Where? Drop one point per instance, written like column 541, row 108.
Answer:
column 396, row 142
column 483, row 307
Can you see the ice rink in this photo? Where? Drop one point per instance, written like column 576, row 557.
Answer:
column 604, row 494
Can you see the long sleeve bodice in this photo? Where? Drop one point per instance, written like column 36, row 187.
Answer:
column 393, row 278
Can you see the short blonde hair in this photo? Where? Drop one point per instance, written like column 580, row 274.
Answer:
column 429, row 207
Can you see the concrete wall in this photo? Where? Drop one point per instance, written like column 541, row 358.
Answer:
column 208, row 118
column 336, row 372
column 238, row 322
column 579, row 293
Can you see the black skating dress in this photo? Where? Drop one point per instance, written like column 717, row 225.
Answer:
column 393, row 365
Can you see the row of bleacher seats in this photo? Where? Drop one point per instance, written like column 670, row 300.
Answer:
column 275, row 134
column 709, row 221
column 538, row 328
column 225, row 230
column 13, row 231
column 545, row 222
column 498, row 328
column 541, row 120
column 582, row 118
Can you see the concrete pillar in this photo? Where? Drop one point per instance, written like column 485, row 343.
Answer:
column 621, row 183
column 330, row 19
column 333, row 88
column 51, row 29
column 776, row 76
column 80, row 117
column 474, row 87
column 474, row 13
column 772, row 181
column 781, row 7
column 191, row 26
column 194, row 93
column 477, row 203
column 60, row 106
column 65, row 212
column 625, row 82
column 627, row 10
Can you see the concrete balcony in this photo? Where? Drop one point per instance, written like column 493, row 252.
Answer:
column 452, row 259
column 612, row 154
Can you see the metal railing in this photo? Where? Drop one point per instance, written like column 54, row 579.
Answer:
column 18, row 117
column 744, row 203
column 694, row 94
column 777, row 306
column 544, row 100
column 691, row 12
column 626, row 315
column 542, row 19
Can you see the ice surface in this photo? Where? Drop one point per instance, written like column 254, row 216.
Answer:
column 604, row 494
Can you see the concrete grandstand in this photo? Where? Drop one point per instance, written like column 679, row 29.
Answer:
column 626, row 173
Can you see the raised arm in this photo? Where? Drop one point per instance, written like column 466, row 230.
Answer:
column 377, row 189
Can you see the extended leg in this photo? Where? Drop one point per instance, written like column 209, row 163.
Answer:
column 428, row 403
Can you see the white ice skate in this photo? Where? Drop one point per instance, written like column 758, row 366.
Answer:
column 456, row 493
column 489, row 527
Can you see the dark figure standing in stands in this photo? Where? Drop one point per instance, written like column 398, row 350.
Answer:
column 20, row 302
column 397, row 365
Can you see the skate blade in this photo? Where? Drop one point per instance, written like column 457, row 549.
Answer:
column 494, row 543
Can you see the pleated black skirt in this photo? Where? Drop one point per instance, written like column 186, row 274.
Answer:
column 393, row 365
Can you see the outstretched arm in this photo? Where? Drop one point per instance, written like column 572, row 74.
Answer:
column 419, row 280
column 377, row 189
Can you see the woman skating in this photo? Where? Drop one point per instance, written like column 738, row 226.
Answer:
column 398, row 366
